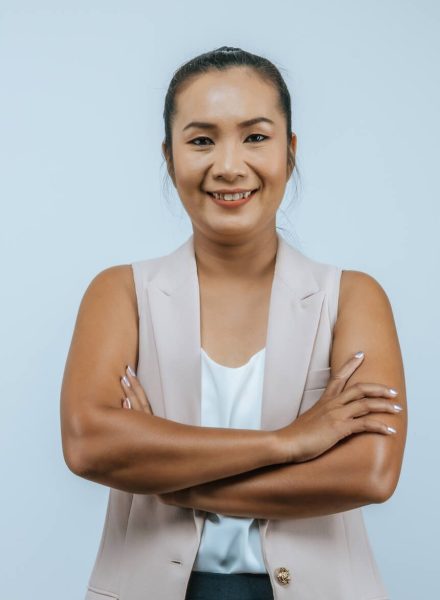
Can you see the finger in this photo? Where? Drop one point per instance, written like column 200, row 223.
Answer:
column 362, row 390
column 363, row 424
column 138, row 389
column 338, row 379
column 359, row 408
column 130, row 393
column 125, row 403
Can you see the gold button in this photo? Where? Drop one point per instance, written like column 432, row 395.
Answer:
column 283, row 575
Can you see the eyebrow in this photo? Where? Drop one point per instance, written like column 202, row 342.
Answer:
column 248, row 123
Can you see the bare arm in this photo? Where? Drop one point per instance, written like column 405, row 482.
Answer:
column 360, row 470
column 131, row 450
column 318, row 487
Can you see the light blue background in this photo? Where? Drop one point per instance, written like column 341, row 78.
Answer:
column 82, row 188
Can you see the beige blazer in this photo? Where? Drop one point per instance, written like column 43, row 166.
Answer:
column 148, row 548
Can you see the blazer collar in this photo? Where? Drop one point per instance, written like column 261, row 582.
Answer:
column 291, row 266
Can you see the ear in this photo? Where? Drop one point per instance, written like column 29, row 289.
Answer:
column 291, row 156
column 169, row 162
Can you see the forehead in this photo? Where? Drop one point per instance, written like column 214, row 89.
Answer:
column 230, row 95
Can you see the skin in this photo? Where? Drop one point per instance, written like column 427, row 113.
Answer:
column 324, row 462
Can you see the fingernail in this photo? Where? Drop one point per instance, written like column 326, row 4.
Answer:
column 127, row 403
column 391, row 429
column 359, row 354
column 392, row 391
column 130, row 370
column 126, row 381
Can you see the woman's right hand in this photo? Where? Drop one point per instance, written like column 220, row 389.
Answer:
column 337, row 414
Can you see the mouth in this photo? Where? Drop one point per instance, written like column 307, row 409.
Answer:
column 233, row 200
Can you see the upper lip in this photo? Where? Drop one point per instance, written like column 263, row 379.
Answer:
column 234, row 191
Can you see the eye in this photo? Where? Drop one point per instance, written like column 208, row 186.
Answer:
column 197, row 139
column 259, row 135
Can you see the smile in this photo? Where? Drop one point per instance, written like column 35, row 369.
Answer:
column 232, row 196
column 232, row 199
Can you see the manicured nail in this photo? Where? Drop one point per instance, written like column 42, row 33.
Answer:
column 391, row 429
column 130, row 370
column 126, row 381
column 359, row 354
column 127, row 403
column 397, row 407
column 393, row 391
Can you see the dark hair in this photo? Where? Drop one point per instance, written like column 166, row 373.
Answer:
column 221, row 59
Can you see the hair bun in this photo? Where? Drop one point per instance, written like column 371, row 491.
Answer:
column 227, row 49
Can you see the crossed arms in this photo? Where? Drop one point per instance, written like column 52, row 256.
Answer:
column 181, row 463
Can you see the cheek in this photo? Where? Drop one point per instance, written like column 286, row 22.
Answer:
column 188, row 167
column 272, row 166
column 185, row 177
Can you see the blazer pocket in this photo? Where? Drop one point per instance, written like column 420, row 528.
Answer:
column 94, row 593
column 317, row 379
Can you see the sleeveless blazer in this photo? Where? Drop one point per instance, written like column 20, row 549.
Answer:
column 147, row 548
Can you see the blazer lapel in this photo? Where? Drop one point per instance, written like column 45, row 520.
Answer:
column 175, row 314
column 294, row 312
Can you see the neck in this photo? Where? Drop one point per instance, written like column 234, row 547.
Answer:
column 247, row 259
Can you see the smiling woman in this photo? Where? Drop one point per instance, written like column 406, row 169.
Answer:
column 251, row 430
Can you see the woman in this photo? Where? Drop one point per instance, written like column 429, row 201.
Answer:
column 251, row 429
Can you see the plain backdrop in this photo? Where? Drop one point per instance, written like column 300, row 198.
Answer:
column 82, row 185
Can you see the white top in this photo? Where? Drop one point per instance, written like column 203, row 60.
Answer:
column 231, row 397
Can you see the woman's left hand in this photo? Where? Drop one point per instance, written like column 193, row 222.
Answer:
column 135, row 398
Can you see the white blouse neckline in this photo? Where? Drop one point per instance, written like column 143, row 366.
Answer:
column 233, row 368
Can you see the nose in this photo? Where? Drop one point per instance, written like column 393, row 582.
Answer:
column 228, row 162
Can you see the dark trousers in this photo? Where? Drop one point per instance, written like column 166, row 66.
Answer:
column 228, row 586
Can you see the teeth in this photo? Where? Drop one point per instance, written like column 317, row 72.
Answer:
column 232, row 196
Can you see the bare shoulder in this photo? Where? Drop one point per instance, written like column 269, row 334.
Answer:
column 356, row 284
column 109, row 301
column 116, row 280
column 104, row 341
column 365, row 321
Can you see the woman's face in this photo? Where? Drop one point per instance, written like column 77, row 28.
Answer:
column 214, row 151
